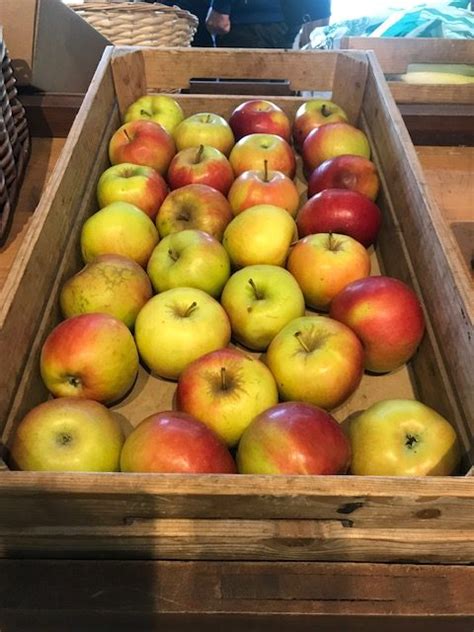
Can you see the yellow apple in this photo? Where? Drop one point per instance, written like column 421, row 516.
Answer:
column 204, row 128
column 159, row 108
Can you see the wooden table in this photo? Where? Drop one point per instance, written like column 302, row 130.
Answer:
column 81, row 595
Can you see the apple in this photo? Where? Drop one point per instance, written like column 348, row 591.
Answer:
column 355, row 173
column 159, row 108
column 260, row 301
column 178, row 326
column 92, row 356
column 67, row 435
column 201, row 165
column 195, row 206
column 121, row 229
column 316, row 359
column 340, row 211
column 313, row 114
column 190, row 258
column 323, row 264
column 263, row 187
column 386, row 315
column 259, row 116
column 260, row 234
column 250, row 152
column 333, row 139
column 135, row 184
column 225, row 390
column 204, row 128
column 294, row 438
column 111, row 284
column 403, row 437
column 142, row 143
column 173, row 442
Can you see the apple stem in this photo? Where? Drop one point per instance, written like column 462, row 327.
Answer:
column 208, row 118
column 301, row 341
column 325, row 111
column 199, row 154
column 265, row 170
column 258, row 296
column 190, row 309
column 129, row 138
column 223, row 379
column 145, row 113
column 173, row 255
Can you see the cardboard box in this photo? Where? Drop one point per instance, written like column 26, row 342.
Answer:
column 52, row 48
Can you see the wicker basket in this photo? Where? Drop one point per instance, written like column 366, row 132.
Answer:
column 139, row 23
column 14, row 142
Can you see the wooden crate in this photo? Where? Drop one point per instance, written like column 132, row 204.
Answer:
column 343, row 518
column 395, row 54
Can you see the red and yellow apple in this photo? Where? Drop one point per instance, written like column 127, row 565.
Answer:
column 225, row 390
column 324, row 263
column 260, row 235
column 190, row 258
column 386, row 315
column 331, row 140
column 340, row 211
column 259, row 116
column 313, row 114
column 263, row 187
column 178, row 326
column 293, row 438
column 201, row 165
column 138, row 185
column 159, row 108
column 251, row 151
column 316, row 359
column 121, row 229
column 92, row 356
column 204, row 128
column 110, row 284
column 195, row 206
column 403, row 437
column 174, row 442
column 260, row 301
column 67, row 435
column 354, row 173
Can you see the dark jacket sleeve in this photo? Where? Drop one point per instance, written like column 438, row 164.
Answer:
column 222, row 6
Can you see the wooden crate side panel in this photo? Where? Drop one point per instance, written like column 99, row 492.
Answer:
column 29, row 284
column 404, row 93
column 438, row 266
column 394, row 54
column 350, row 71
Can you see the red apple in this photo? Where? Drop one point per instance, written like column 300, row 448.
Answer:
column 250, row 152
column 316, row 359
column 313, row 114
column 386, row 315
column 201, row 165
column 253, row 188
column 138, row 185
column 92, row 356
column 323, row 264
column 345, row 172
column 340, row 211
column 225, row 390
column 333, row 139
column 259, row 116
column 294, row 438
column 142, row 143
column 174, row 442
column 195, row 206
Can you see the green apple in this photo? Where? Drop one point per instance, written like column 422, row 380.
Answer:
column 178, row 326
column 260, row 300
column 159, row 108
column 261, row 234
column 204, row 128
column 111, row 284
column 190, row 258
column 68, row 435
column 402, row 437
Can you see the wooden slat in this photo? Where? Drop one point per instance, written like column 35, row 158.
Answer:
column 255, row 596
column 427, row 93
column 350, row 70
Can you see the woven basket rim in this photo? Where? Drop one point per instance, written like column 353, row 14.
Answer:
column 137, row 7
